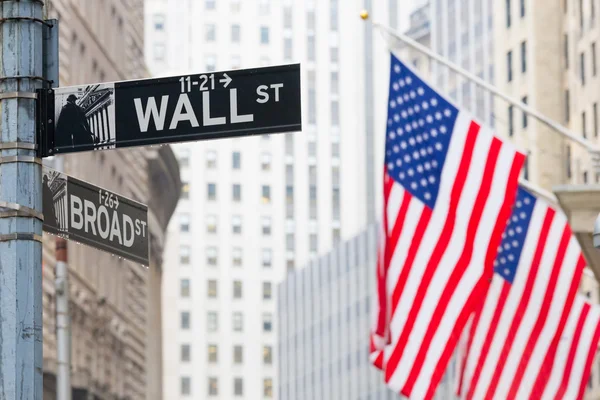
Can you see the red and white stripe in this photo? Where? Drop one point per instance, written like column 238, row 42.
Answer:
column 575, row 353
column 513, row 332
column 441, row 260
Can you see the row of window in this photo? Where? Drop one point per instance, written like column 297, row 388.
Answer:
column 210, row 33
column 212, row 289
column 264, row 6
column 236, row 254
column 213, row 354
column 237, row 318
column 236, row 221
column 509, row 61
column 236, row 160
column 213, row 386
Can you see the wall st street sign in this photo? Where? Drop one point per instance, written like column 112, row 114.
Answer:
column 94, row 216
column 168, row 110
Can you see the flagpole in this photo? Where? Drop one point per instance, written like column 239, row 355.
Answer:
column 591, row 147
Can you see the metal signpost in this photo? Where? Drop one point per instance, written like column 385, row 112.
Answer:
column 94, row 216
column 168, row 110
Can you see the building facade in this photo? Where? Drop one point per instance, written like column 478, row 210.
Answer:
column 255, row 208
column 115, row 304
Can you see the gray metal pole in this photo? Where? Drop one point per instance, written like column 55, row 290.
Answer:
column 21, row 373
column 63, row 323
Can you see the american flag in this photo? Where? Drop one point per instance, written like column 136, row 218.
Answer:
column 449, row 184
column 515, row 335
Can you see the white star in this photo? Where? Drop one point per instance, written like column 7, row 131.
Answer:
column 438, row 115
column 425, row 136
column 430, row 150
column 399, row 131
column 438, row 146
column 518, row 229
column 523, row 215
column 433, row 132
column 397, row 68
column 411, row 141
column 389, row 121
column 511, row 257
column 421, row 91
column 413, row 185
column 411, row 172
column 423, row 152
column 396, row 149
column 408, row 80
column 431, row 179
column 500, row 249
column 443, row 129
column 514, row 218
column 406, row 97
column 434, row 163
column 396, row 117
column 416, row 155
column 425, row 105
column 412, row 94
column 401, row 82
column 506, row 271
column 408, row 128
column 392, row 135
column 417, row 108
column 399, row 100
column 404, row 114
column 427, row 195
column 519, row 204
column 503, row 260
column 526, row 201
column 447, row 112
column 427, row 166
column 495, row 263
column 390, row 166
column 403, row 144
column 395, row 86
column 407, row 158
column 399, row 162
column 429, row 118
column 504, row 235
column 410, row 111
column 393, row 104
column 401, row 175
column 511, row 232
column 423, row 182
column 421, row 122
column 419, row 169
column 506, row 246
column 419, row 139
column 433, row 102
column 415, row 125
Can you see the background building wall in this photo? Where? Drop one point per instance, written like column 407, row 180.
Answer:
column 116, row 343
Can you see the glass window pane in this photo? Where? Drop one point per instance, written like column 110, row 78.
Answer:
column 235, row 33
column 238, row 322
column 185, row 353
column 212, row 288
column 184, row 254
column 266, row 258
column 267, row 291
column 185, row 320
column 185, row 288
column 238, row 354
column 212, row 321
column 264, row 35
column 213, row 355
column 211, row 256
column 213, row 386
column 186, row 386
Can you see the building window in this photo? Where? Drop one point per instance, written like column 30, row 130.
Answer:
column 236, row 255
column 310, row 21
column 212, row 191
column 266, row 194
column 238, row 354
column 211, row 159
column 268, row 387
column 335, row 113
column 159, row 22
column 184, row 254
column 290, row 266
column 264, row 35
column 185, row 190
column 211, row 256
column 289, row 241
column 265, row 161
column 287, row 17
column 568, row 161
column 312, row 202
column 186, row 386
column 336, row 203
column 235, row 5
column 267, row 355
column 212, row 288
column 583, row 125
column 184, row 288
column 238, row 321
column 523, row 56
column 567, row 106
column 235, row 33
column 333, row 14
column 185, row 353
column 509, row 66
column 264, row 7
column 311, row 48
column 334, row 54
column 526, row 167
column 213, row 355
column 313, row 239
column 183, row 157
column 184, row 222
column 211, row 62
column 237, row 192
column 212, row 321
column 524, row 122
column 595, row 116
column 267, row 322
column 236, row 160
column 593, row 55
column 213, row 386
column 508, row 14
column 581, row 16
column 287, row 48
column 211, row 223
column 522, row 8
column 266, row 225
column 312, row 98
column 289, row 201
column 210, row 32
column 585, row 177
column 237, row 289
column 185, row 320
column 582, row 68
column 238, row 387
column 267, row 292
column 566, row 50
column 336, row 235
column 267, row 257
column 236, row 224
column 159, row 51
column 335, row 83
column 209, row 4
column 511, row 128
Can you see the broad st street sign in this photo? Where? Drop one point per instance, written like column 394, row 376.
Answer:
column 168, row 110
column 91, row 215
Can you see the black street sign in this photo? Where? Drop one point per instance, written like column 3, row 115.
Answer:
column 91, row 215
column 167, row 110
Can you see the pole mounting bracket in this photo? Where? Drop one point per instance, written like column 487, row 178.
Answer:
column 18, row 145
column 25, row 159
column 17, row 210
column 18, row 95
column 9, row 237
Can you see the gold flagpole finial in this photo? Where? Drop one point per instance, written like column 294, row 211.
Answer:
column 364, row 14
